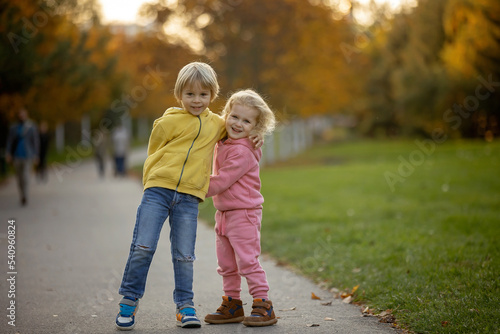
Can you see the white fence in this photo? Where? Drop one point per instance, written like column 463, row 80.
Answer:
column 289, row 139
column 292, row 138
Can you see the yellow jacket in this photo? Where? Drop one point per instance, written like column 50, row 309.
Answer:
column 180, row 151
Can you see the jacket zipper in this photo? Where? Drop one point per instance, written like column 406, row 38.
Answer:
column 187, row 156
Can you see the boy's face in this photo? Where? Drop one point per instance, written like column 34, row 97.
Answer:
column 195, row 99
column 241, row 121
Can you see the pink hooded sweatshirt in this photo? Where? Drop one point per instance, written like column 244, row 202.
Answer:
column 235, row 182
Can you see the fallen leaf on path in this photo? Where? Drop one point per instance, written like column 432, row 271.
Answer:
column 384, row 313
column 367, row 312
column 347, row 300
column 313, row 296
column 334, row 290
column 329, row 319
column 312, row 325
column 281, row 264
column 345, row 295
column 288, row 309
column 326, row 303
column 386, row 317
column 389, row 319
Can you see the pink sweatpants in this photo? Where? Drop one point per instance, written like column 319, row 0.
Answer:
column 238, row 249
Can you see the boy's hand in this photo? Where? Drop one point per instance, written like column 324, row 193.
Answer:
column 257, row 140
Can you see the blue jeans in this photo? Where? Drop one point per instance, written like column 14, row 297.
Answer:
column 120, row 166
column 156, row 206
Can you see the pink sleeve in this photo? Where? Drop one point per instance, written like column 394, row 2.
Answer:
column 239, row 161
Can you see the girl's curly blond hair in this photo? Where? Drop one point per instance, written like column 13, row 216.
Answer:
column 266, row 121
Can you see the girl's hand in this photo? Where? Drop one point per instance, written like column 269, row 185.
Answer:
column 258, row 140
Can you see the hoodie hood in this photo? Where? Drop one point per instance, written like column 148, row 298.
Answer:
column 178, row 111
column 257, row 152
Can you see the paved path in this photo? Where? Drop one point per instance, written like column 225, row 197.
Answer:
column 72, row 241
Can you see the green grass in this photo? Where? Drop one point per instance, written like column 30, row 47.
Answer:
column 429, row 250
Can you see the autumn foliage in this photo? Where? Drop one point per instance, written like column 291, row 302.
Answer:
column 404, row 75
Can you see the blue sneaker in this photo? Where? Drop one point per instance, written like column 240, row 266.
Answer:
column 125, row 320
column 186, row 318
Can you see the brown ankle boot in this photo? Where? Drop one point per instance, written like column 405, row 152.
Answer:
column 262, row 314
column 230, row 311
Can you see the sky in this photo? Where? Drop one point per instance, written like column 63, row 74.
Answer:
column 126, row 11
column 120, row 11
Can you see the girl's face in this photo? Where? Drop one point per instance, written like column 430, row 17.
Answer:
column 195, row 99
column 241, row 121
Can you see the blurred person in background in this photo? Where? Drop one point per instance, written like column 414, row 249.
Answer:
column 22, row 149
column 44, row 135
column 100, row 148
column 121, row 141
column 4, row 128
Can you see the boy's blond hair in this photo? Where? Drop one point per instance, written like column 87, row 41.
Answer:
column 199, row 72
column 266, row 121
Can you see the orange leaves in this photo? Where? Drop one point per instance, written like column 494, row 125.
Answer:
column 306, row 53
column 313, row 296
column 347, row 296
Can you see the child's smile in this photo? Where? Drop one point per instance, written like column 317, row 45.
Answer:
column 195, row 99
column 241, row 121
